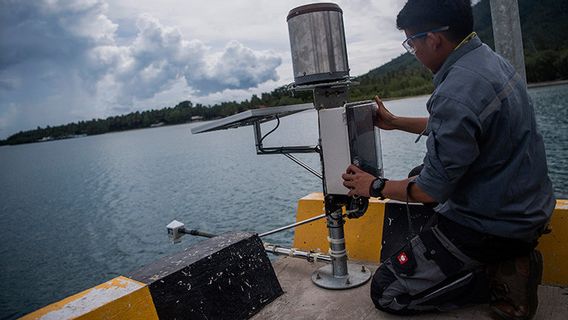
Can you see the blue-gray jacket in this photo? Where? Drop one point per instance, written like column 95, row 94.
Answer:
column 485, row 162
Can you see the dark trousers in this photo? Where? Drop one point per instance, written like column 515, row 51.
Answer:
column 442, row 268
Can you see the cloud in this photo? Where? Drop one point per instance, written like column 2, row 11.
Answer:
column 237, row 68
column 51, row 30
column 159, row 56
column 62, row 61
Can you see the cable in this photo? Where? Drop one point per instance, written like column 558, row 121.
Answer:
column 269, row 132
column 357, row 207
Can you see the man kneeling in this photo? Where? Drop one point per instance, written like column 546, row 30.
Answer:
column 485, row 167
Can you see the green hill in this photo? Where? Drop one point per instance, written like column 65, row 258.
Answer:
column 401, row 77
column 544, row 24
column 545, row 43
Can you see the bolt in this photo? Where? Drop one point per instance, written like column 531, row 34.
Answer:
column 363, row 269
column 347, row 282
column 318, row 276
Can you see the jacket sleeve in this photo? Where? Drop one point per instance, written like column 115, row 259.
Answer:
column 452, row 147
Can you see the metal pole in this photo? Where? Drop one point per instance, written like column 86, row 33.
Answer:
column 337, row 275
column 327, row 44
column 325, row 97
column 507, row 33
column 303, row 165
column 299, row 223
column 274, row 249
column 198, row 233
column 295, row 253
column 336, row 240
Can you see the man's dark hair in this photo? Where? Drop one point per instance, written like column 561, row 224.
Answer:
column 424, row 15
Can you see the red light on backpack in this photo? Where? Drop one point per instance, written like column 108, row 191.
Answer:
column 402, row 258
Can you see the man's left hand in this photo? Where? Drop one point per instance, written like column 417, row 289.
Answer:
column 358, row 181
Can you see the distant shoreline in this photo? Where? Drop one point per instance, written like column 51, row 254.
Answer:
column 530, row 86
column 547, row 84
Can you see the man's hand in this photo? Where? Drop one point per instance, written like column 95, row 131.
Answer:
column 388, row 121
column 358, row 181
column 385, row 119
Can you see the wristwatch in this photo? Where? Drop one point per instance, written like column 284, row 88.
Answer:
column 377, row 187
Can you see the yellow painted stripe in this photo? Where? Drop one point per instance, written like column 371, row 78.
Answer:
column 363, row 236
column 554, row 247
column 119, row 298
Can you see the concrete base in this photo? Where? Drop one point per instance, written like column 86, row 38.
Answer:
column 304, row 300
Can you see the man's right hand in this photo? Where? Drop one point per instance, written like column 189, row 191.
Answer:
column 384, row 120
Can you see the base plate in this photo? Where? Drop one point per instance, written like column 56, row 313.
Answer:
column 356, row 276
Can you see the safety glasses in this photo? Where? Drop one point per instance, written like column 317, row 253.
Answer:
column 407, row 44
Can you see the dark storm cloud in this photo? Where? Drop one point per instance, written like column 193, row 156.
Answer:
column 60, row 60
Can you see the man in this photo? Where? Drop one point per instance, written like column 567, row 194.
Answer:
column 485, row 167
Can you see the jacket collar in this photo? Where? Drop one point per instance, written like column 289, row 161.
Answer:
column 455, row 56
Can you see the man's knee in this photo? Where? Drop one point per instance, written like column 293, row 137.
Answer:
column 382, row 278
column 384, row 294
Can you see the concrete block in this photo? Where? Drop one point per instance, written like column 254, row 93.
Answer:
column 226, row 277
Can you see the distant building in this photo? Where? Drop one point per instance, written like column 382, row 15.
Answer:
column 196, row 118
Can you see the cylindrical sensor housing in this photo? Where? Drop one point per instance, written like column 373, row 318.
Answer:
column 317, row 42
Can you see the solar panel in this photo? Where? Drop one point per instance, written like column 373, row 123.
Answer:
column 249, row 117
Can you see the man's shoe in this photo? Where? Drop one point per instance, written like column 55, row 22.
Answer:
column 514, row 286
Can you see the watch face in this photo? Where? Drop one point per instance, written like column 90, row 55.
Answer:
column 378, row 184
column 377, row 187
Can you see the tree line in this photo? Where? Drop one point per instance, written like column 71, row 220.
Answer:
column 183, row 112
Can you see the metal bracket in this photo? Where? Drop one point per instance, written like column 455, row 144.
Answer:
column 260, row 149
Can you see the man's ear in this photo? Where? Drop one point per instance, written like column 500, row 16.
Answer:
column 435, row 40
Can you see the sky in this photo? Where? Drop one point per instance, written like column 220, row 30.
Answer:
column 63, row 61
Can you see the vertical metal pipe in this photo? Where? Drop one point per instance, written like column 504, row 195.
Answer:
column 507, row 33
column 336, row 239
column 335, row 222
column 257, row 136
